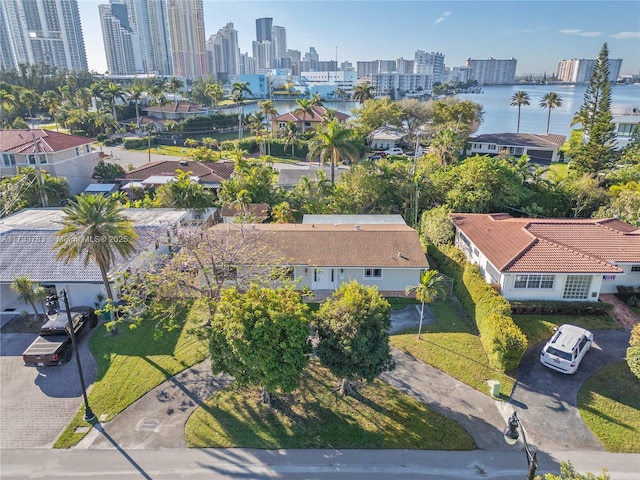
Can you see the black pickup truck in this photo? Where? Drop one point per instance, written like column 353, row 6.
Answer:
column 53, row 346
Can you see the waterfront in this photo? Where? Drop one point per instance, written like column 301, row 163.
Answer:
column 500, row 117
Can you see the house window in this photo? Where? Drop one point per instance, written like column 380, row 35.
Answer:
column 77, row 152
column 464, row 239
column 635, row 268
column 626, row 129
column 577, row 287
column 492, row 147
column 8, row 159
column 372, row 273
column 31, row 159
column 534, row 281
column 88, row 148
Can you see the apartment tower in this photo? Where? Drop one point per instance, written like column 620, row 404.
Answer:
column 186, row 30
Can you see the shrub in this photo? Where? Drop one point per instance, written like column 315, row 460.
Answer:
column 101, row 137
column 633, row 352
column 501, row 338
column 539, row 307
column 136, row 143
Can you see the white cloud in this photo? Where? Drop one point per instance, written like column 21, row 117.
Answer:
column 443, row 16
column 580, row 33
column 624, row 35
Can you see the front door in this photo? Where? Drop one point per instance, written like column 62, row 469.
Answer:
column 323, row 279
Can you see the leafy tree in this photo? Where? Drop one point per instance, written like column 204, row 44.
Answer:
column 174, row 85
column 95, row 229
column 550, row 101
column 463, row 116
column 353, row 331
column 183, row 192
column 51, row 101
column 29, row 291
column 363, row 92
column 429, row 288
column 214, row 92
column 311, row 195
column 415, row 114
column 31, row 187
column 568, row 472
column 373, row 114
column 304, row 108
column 19, row 124
column 586, row 195
column 623, row 203
column 261, row 338
column 519, row 99
column 596, row 152
column 107, row 172
column 332, row 142
column 436, row 226
column 633, row 352
column 252, row 176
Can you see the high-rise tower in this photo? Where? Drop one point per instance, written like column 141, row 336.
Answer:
column 186, row 28
column 121, row 44
column 263, row 29
column 224, row 53
column 149, row 19
column 44, row 31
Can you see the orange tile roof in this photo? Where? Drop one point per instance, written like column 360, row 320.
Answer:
column 21, row 141
column 318, row 113
column 381, row 245
column 207, row 172
column 551, row 245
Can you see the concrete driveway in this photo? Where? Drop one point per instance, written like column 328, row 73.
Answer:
column 546, row 400
column 36, row 404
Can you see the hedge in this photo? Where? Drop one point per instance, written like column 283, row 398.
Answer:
column 136, row 143
column 501, row 338
column 633, row 352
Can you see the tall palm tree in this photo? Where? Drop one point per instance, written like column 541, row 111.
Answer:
column 51, row 101
column 305, row 106
column 29, row 98
column 174, row 85
column 82, row 98
column 290, row 134
column 519, row 99
column 316, row 100
column 446, row 144
column 7, row 100
column 333, row 140
column 429, row 288
column 238, row 89
column 214, row 92
column 268, row 108
column 28, row 291
column 135, row 95
column 550, row 100
column 113, row 93
column 95, row 229
column 363, row 92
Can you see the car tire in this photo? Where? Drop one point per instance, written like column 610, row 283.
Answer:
column 66, row 355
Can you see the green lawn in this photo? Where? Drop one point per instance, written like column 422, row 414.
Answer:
column 539, row 328
column 609, row 403
column 452, row 345
column 151, row 357
column 316, row 416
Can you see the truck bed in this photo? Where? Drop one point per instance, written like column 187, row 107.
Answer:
column 41, row 352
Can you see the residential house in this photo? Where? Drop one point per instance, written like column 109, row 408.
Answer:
column 323, row 256
column 550, row 259
column 288, row 178
column 27, row 238
column 305, row 122
column 385, row 138
column 177, row 111
column 542, row 149
column 236, row 213
column 59, row 154
column 626, row 122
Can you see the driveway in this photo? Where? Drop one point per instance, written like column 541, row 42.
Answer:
column 547, row 400
column 36, row 404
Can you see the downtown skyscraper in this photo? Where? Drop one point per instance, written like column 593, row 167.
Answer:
column 149, row 18
column 121, row 42
column 42, row 32
column 186, row 29
column 224, row 53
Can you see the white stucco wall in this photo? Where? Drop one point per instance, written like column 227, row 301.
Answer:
column 393, row 279
column 509, row 292
column 610, row 283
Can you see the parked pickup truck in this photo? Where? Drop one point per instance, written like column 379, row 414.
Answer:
column 53, row 346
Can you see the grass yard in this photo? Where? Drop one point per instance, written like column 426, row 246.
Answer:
column 609, row 403
column 452, row 345
column 152, row 359
column 539, row 328
column 316, row 416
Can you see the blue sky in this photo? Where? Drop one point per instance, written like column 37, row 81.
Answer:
column 538, row 33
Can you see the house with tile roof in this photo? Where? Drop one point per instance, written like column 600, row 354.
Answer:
column 542, row 149
column 209, row 174
column 550, row 259
column 323, row 256
column 176, row 111
column 305, row 122
column 26, row 244
column 59, row 154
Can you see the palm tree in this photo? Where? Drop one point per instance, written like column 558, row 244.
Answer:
column 174, row 85
column 95, row 229
column 113, row 93
column 333, row 141
column 519, row 99
column 214, row 92
column 429, row 288
column 446, row 145
column 51, row 101
column 135, row 94
column 82, row 98
column 29, row 98
column 237, row 93
column 316, row 100
column 268, row 108
column 305, row 106
column 28, row 291
column 551, row 100
column 362, row 92
column 7, row 101
column 290, row 134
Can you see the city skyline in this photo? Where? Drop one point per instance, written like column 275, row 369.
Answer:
column 553, row 31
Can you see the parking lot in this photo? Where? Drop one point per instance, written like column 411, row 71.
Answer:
column 37, row 403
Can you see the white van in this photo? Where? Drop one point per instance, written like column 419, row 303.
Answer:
column 394, row 151
column 566, row 349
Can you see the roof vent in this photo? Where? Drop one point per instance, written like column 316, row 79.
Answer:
column 399, row 254
column 357, row 227
column 184, row 163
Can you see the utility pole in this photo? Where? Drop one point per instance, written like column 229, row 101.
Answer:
column 43, row 195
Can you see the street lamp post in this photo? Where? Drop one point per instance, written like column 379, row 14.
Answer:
column 511, row 436
column 89, row 416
